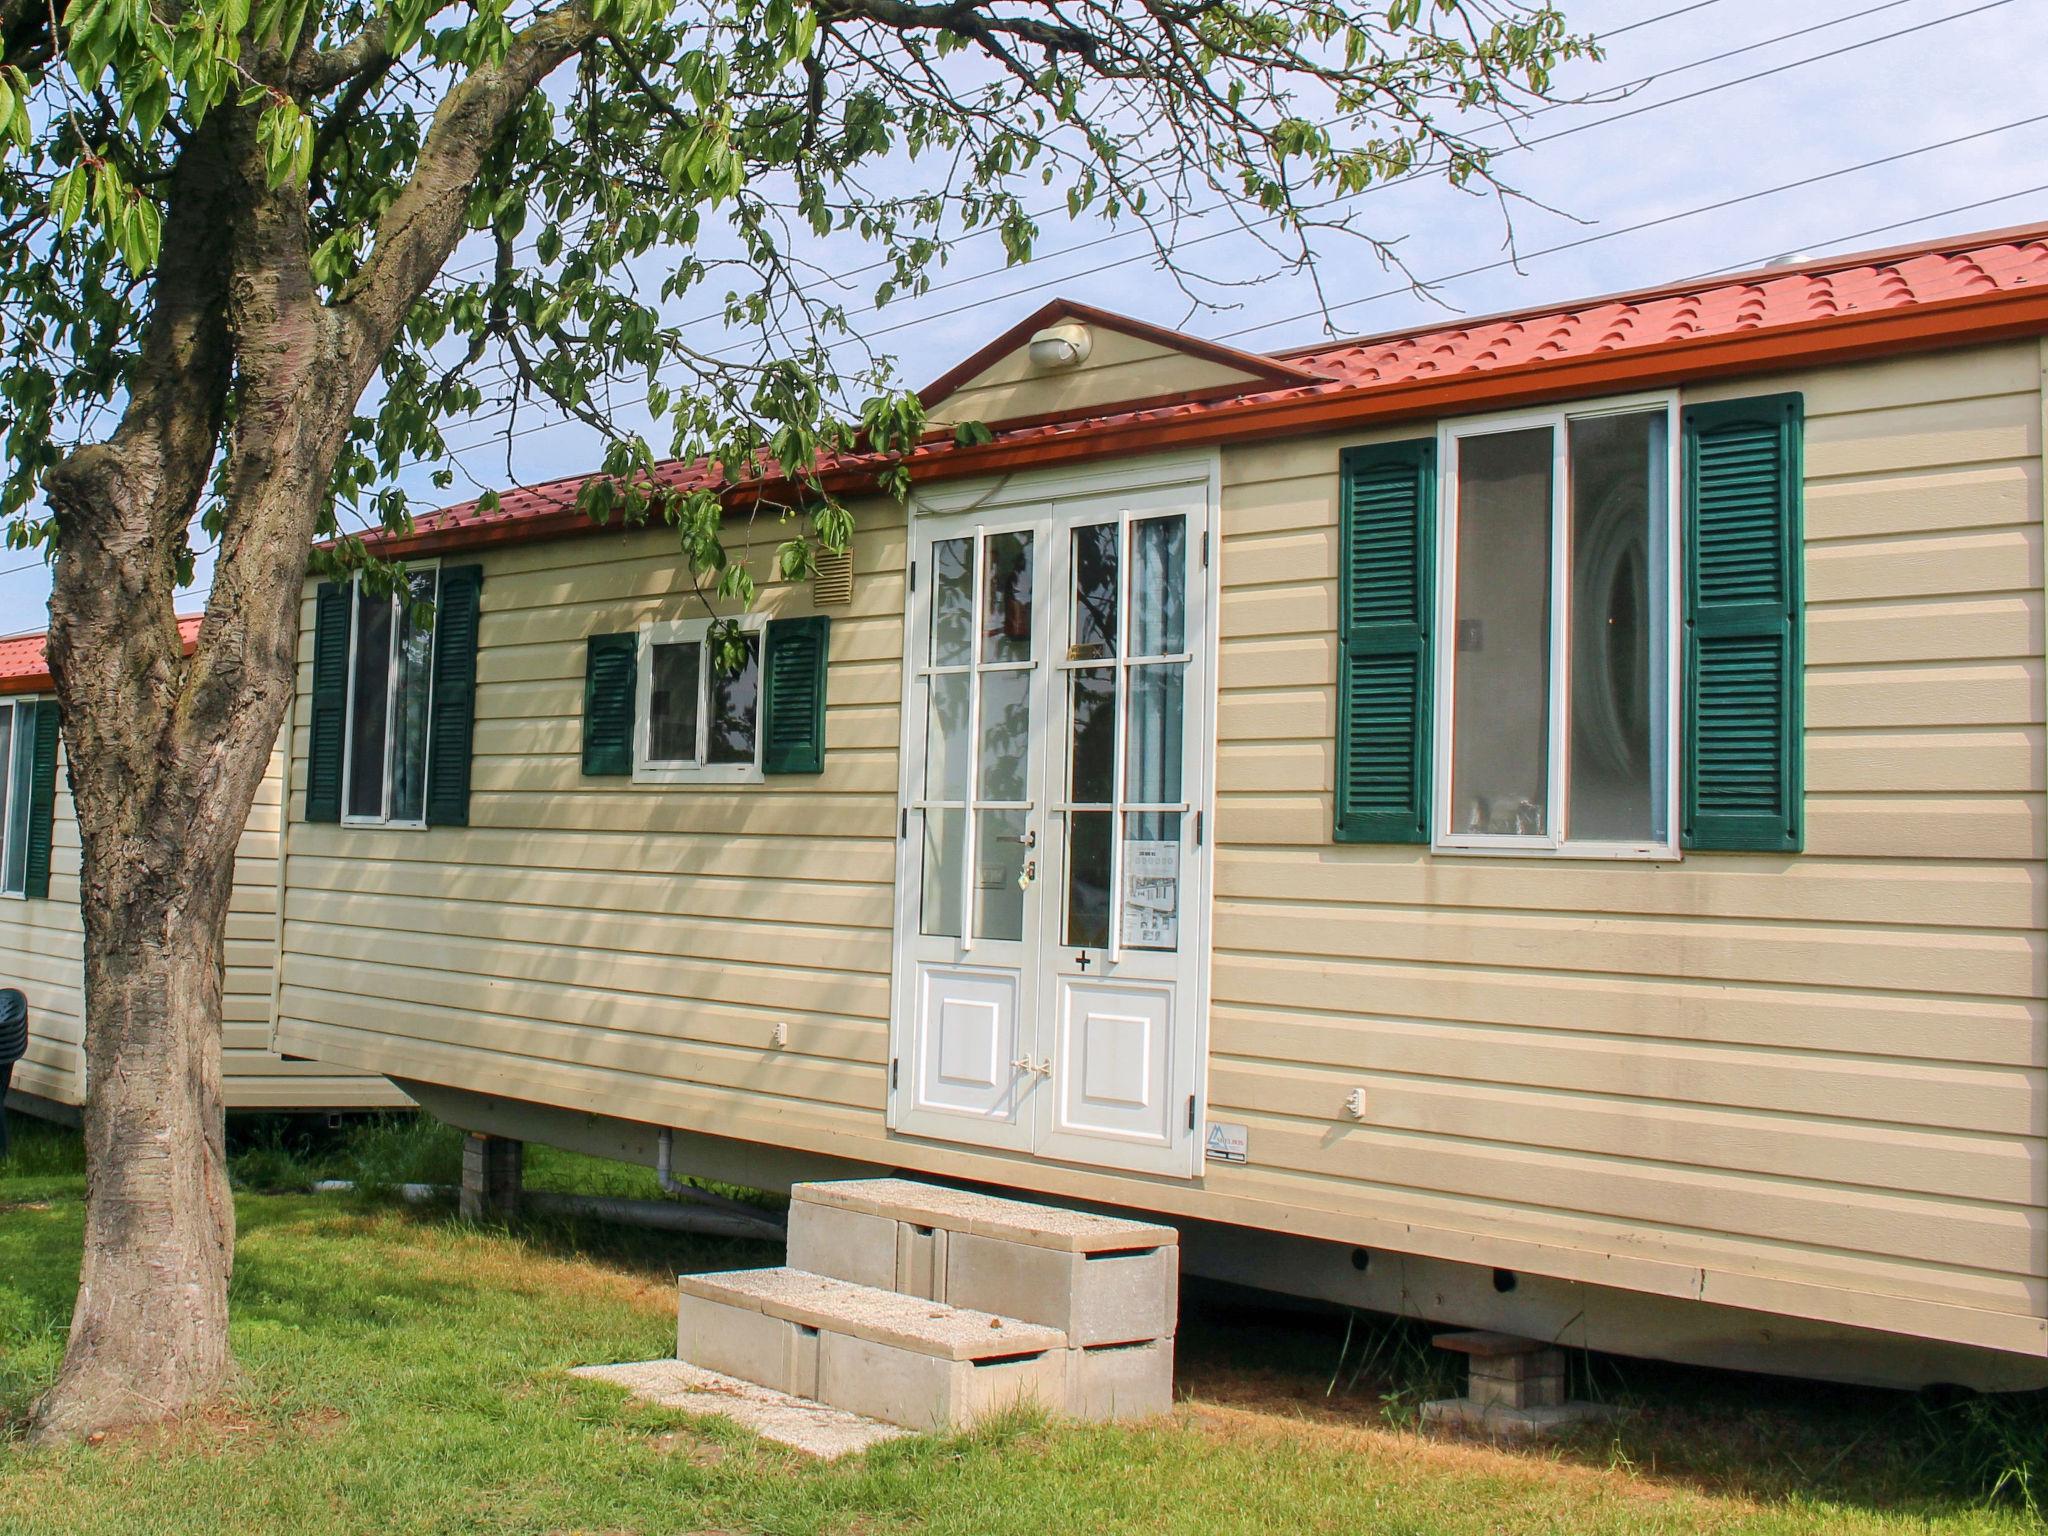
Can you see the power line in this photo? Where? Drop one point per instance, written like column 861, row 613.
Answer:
column 1052, row 209
column 1669, row 218
column 1738, row 266
column 1087, row 272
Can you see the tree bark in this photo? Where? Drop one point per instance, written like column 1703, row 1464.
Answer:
column 149, row 1335
column 166, row 752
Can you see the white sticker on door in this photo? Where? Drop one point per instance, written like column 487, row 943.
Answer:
column 1151, row 894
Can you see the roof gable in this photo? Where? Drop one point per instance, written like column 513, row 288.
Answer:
column 1129, row 365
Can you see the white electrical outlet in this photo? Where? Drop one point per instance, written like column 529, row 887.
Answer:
column 1354, row 1103
column 780, row 1037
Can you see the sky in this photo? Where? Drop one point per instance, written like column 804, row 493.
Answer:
column 1883, row 121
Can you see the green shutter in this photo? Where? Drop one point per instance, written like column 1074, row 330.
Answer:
column 1743, row 777
column 452, row 718
column 611, row 675
column 328, row 720
column 42, row 799
column 793, row 695
column 1387, row 506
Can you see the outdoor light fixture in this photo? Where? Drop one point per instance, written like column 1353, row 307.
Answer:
column 1060, row 346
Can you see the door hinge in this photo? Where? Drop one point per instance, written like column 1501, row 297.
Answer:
column 1205, row 551
column 1198, row 829
column 1191, row 1111
column 903, row 831
column 895, row 1072
column 913, row 575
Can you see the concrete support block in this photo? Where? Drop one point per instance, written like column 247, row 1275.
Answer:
column 1094, row 1298
column 1120, row 1381
column 920, row 1391
column 769, row 1351
column 921, row 1262
column 847, row 1245
column 493, row 1173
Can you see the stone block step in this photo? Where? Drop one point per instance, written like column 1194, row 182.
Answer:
column 901, row 1359
column 1098, row 1279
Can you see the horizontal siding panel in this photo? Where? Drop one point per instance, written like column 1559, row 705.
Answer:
column 1931, row 630
column 1879, row 698
column 1923, row 434
column 655, row 1020
column 599, row 929
column 1354, row 884
column 2005, row 1032
column 782, row 1074
column 1875, row 1090
column 1872, row 505
column 1893, row 570
column 1979, row 1168
column 676, row 977
column 727, row 853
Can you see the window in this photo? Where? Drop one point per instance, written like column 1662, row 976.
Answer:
column 17, row 780
column 390, row 693
column 1555, row 687
column 700, row 704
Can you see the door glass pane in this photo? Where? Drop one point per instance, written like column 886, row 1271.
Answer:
column 369, row 698
column 1150, row 877
column 1614, row 791
column 1000, row 858
column 12, row 797
column 1095, row 592
column 1159, row 590
column 1500, row 772
column 1152, row 744
column 735, row 698
column 952, row 602
column 1005, row 736
column 415, row 689
column 24, row 755
column 672, row 702
column 945, row 845
column 1093, row 777
column 1088, row 878
column 945, row 745
column 1006, row 598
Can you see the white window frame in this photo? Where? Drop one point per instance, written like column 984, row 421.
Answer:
column 681, row 632
column 14, row 707
column 348, row 711
column 1551, row 844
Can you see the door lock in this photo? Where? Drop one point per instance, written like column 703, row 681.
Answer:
column 1027, row 874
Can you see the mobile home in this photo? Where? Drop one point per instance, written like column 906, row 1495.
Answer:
column 42, row 941
column 1535, row 823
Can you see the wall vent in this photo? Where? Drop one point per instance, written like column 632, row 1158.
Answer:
column 832, row 587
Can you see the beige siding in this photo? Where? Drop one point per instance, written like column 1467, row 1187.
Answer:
column 1826, row 1068
column 1118, row 368
column 1810, row 1084
column 40, row 951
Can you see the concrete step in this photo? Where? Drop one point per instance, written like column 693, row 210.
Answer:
column 1100, row 1280
column 901, row 1359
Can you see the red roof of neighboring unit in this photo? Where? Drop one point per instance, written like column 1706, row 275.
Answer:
column 24, row 667
column 1947, row 292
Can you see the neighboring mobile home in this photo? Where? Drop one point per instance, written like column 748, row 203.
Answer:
column 1534, row 823
column 42, row 944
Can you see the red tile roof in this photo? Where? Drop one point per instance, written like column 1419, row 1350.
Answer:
column 25, row 669
column 1946, row 292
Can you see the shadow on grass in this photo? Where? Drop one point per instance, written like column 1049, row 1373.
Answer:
column 1725, row 1433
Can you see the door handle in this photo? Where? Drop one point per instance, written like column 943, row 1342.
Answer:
column 1025, row 839
column 1034, row 1068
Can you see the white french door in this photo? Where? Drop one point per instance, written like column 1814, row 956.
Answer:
column 1052, row 889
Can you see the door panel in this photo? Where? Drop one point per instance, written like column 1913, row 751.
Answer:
column 1114, row 1064
column 970, row 1041
column 1052, row 906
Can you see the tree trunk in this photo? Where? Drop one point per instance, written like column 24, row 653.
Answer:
column 149, row 1333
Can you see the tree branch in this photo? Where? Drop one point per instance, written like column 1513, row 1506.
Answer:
column 426, row 220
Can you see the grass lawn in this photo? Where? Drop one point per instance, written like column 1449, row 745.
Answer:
column 404, row 1373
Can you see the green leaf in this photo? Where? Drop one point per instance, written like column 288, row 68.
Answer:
column 67, row 197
